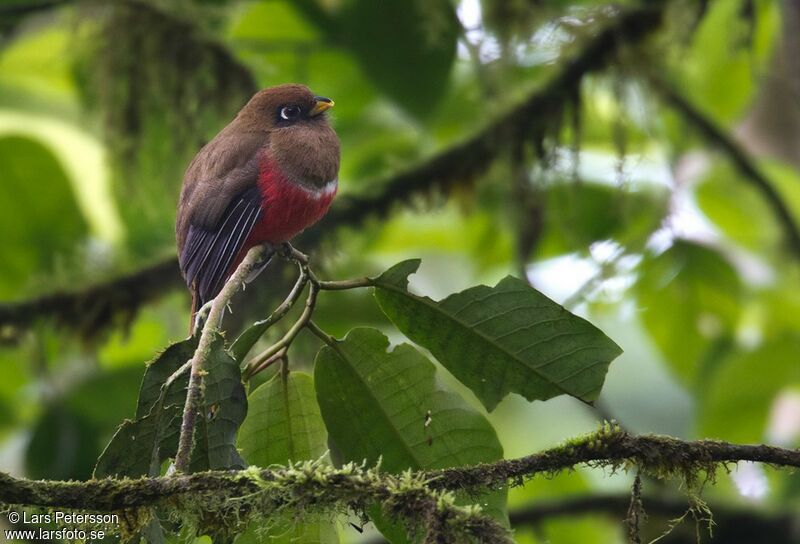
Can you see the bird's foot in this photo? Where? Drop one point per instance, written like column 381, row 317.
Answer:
column 288, row 252
column 259, row 267
column 201, row 316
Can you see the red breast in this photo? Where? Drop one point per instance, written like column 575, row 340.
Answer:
column 288, row 208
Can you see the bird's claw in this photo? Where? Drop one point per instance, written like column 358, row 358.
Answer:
column 289, row 253
column 201, row 315
column 285, row 250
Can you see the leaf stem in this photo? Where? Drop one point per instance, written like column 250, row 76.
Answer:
column 194, row 392
column 257, row 367
column 342, row 285
column 321, row 334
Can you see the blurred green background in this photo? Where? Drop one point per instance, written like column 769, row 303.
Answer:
column 633, row 193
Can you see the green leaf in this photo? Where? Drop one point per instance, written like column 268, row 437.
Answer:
column 158, row 371
column 509, row 338
column 38, row 207
column 224, row 407
column 248, row 338
column 141, row 446
column 284, row 425
column 388, row 405
column 689, row 297
column 406, row 48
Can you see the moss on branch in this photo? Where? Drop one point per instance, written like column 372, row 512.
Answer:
column 659, row 456
column 228, row 501
column 422, row 500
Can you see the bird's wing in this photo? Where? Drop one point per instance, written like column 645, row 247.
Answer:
column 220, row 204
column 208, row 254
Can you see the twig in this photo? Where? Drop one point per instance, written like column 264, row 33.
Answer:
column 717, row 137
column 255, row 367
column 321, row 334
column 252, row 367
column 277, row 351
column 241, row 351
column 194, row 392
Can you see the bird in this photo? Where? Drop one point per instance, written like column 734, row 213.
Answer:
column 268, row 175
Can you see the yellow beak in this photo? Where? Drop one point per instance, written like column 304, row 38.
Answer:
column 321, row 104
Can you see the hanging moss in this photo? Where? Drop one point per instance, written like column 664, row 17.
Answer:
column 161, row 88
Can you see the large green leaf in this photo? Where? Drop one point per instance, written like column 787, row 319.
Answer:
column 284, row 425
column 39, row 215
column 509, row 338
column 158, row 371
column 224, row 407
column 387, row 405
column 141, row 445
column 689, row 298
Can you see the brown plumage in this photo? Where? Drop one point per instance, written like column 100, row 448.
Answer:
column 269, row 174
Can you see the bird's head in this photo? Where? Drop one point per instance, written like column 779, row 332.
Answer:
column 285, row 106
column 301, row 141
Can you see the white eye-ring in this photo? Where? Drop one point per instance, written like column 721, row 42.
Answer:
column 289, row 112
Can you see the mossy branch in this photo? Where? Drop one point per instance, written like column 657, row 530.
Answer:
column 656, row 455
column 235, row 498
column 421, row 499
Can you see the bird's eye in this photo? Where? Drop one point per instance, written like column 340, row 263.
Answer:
column 289, row 113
